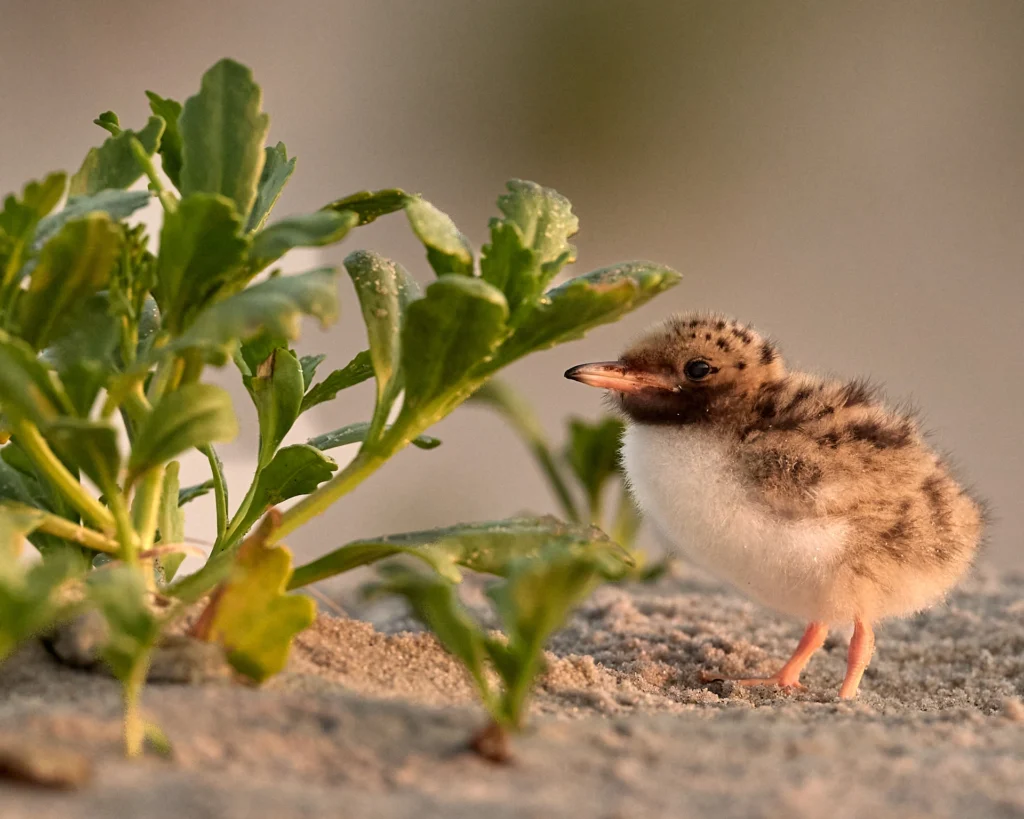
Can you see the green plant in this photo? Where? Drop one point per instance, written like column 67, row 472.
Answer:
column 586, row 469
column 104, row 344
column 540, row 587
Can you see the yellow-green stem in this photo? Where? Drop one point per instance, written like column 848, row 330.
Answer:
column 627, row 520
column 231, row 532
column 146, row 513
column 91, row 539
column 134, row 725
column 167, row 199
column 123, row 528
column 43, row 458
column 167, row 375
column 192, row 367
column 361, row 467
column 220, row 492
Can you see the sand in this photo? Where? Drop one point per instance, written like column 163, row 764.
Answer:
column 373, row 721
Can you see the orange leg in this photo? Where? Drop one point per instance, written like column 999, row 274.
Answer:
column 862, row 646
column 789, row 675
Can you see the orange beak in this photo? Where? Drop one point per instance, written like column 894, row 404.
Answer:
column 612, row 375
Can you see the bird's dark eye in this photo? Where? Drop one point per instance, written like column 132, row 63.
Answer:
column 697, row 369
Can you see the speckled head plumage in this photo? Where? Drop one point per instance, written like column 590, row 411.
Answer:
column 693, row 368
column 711, row 361
column 811, row 495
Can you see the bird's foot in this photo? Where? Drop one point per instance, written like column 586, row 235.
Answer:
column 780, row 680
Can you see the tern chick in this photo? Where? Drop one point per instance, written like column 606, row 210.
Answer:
column 809, row 495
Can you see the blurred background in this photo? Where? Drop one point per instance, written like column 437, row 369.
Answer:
column 847, row 176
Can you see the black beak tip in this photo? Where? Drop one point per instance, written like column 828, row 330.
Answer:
column 572, row 372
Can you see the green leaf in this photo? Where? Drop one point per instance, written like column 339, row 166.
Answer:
column 309, row 364
column 83, row 352
column 309, row 230
column 568, row 311
column 149, row 324
column 593, row 454
column 171, row 520
column 38, row 197
column 109, row 122
column 120, row 594
column 28, row 600
column 18, row 221
column 492, row 547
column 17, row 521
column 534, row 603
column 116, row 204
column 295, row 470
column 454, row 329
column 545, row 219
column 366, row 553
column 509, row 264
column 90, row 445
column 541, row 592
column 254, row 619
column 170, row 143
column 20, row 482
column 530, row 245
column 255, row 351
column 274, row 306
column 276, row 390
column 277, row 168
column 15, row 485
column 435, row 602
column 197, row 490
column 222, row 132
column 357, row 433
column 73, row 265
column 385, row 289
column 448, row 251
column 191, row 416
column 370, row 206
column 350, row 434
column 358, row 370
column 27, row 389
column 201, row 249
column 113, row 165
column 20, row 216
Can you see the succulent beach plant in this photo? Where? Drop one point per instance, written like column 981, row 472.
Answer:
column 105, row 342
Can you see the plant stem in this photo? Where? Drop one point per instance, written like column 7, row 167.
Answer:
column 123, row 528
column 231, row 532
column 491, row 743
column 146, row 507
column 58, row 475
column 91, row 539
column 134, row 725
column 358, row 470
column 129, row 338
column 542, row 454
column 596, row 507
column 220, row 492
column 518, row 689
column 627, row 520
column 192, row 367
column 501, row 397
column 167, row 199
column 167, row 375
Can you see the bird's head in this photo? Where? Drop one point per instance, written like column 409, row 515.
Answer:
column 691, row 368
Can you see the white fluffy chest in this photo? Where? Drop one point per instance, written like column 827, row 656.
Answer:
column 685, row 479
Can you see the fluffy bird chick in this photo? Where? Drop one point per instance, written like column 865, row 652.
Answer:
column 807, row 494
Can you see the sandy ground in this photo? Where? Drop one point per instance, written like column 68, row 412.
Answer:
column 373, row 722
